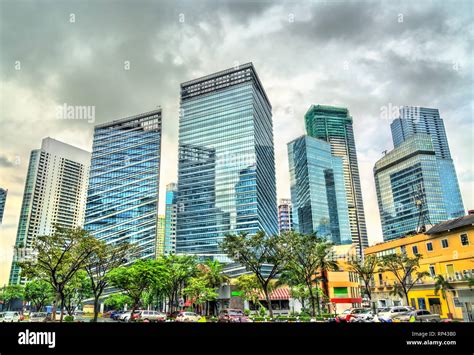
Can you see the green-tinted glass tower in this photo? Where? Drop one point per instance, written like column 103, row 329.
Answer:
column 334, row 125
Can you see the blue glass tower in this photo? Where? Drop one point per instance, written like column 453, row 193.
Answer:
column 3, row 199
column 403, row 176
column 415, row 120
column 170, row 219
column 122, row 201
column 226, row 168
column 318, row 194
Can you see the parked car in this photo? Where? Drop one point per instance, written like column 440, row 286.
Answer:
column 38, row 317
column 389, row 314
column 366, row 315
column 232, row 315
column 420, row 315
column 187, row 317
column 126, row 316
column 151, row 316
column 116, row 314
column 11, row 317
column 351, row 313
column 2, row 316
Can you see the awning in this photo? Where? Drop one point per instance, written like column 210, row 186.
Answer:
column 346, row 300
column 277, row 294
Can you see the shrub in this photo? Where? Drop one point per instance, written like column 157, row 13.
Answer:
column 247, row 312
column 69, row 318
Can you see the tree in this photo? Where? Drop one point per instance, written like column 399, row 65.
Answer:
column 58, row 257
column 10, row 293
column 103, row 259
column 76, row 290
column 364, row 269
column 38, row 292
column 199, row 292
column 212, row 273
column 309, row 255
column 134, row 279
column 405, row 270
column 297, row 285
column 249, row 287
column 256, row 252
column 117, row 301
column 441, row 284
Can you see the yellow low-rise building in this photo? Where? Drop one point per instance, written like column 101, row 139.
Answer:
column 446, row 249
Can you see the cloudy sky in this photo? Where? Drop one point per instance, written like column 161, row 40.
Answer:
column 366, row 55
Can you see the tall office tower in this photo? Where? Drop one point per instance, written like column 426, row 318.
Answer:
column 122, row 201
column 414, row 120
column 409, row 188
column 55, row 194
column 285, row 216
column 334, row 125
column 170, row 218
column 318, row 194
column 226, row 169
column 3, row 200
column 160, row 235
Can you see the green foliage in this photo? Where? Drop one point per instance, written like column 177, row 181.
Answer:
column 365, row 269
column 38, row 292
column 76, row 290
column 199, row 291
column 117, row 301
column 10, row 293
column 69, row 318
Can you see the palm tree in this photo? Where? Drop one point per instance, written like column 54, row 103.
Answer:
column 213, row 274
column 325, row 264
column 441, row 284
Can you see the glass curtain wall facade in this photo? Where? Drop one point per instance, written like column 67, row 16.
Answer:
column 122, row 201
column 226, row 168
column 334, row 125
column 55, row 194
column 415, row 120
column 318, row 194
column 170, row 218
column 407, row 173
column 3, row 199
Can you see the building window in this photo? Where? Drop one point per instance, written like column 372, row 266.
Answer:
column 429, row 246
column 444, row 243
column 432, row 271
column 403, row 249
column 464, row 240
column 415, row 250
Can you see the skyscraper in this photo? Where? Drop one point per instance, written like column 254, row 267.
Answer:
column 415, row 120
column 3, row 200
column 285, row 216
column 122, row 201
column 334, row 125
column 55, row 194
column 318, row 194
column 160, row 235
column 170, row 218
column 226, row 169
column 409, row 187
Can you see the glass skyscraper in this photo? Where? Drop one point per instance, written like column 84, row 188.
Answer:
column 415, row 120
column 318, row 194
column 55, row 194
column 403, row 176
column 334, row 125
column 122, row 201
column 226, row 168
column 3, row 199
column 170, row 218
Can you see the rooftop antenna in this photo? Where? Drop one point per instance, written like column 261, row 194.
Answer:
column 419, row 199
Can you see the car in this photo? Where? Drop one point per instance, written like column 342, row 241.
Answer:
column 366, row 315
column 2, row 316
column 232, row 315
column 116, row 314
column 11, row 317
column 351, row 313
column 38, row 317
column 390, row 313
column 187, row 317
column 151, row 316
column 126, row 316
column 419, row 315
